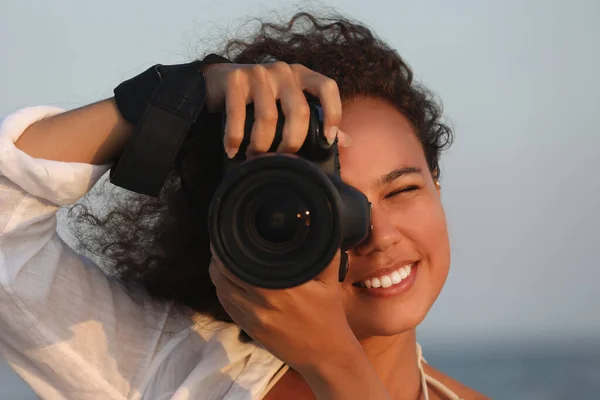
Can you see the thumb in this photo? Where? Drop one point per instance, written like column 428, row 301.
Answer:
column 331, row 274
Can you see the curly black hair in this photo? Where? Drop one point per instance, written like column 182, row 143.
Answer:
column 162, row 244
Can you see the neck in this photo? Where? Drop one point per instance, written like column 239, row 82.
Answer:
column 394, row 359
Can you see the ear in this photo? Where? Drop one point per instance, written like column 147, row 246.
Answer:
column 435, row 174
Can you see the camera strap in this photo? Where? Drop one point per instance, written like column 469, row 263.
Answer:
column 162, row 103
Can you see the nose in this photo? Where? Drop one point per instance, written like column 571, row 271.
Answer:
column 384, row 234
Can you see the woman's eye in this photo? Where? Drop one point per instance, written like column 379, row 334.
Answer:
column 406, row 189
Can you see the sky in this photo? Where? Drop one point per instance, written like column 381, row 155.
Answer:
column 518, row 81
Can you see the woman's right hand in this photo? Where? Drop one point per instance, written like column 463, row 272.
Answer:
column 230, row 87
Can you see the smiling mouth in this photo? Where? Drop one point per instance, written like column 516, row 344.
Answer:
column 388, row 280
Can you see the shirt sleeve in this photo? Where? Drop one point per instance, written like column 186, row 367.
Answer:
column 68, row 329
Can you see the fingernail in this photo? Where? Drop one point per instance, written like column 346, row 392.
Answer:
column 343, row 139
column 231, row 152
column 331, row 134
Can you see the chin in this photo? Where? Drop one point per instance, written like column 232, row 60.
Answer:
column 369, row 316
column 388, row 320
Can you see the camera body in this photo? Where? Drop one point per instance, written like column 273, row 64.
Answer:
column 277, row 220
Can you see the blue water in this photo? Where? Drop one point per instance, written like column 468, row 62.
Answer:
column 526, row 375
column 511, row 373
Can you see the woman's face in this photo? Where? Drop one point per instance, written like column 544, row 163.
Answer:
column 387, row 163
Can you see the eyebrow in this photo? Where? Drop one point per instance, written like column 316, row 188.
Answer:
column 397, row 173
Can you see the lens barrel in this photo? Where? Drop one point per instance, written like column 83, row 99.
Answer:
column 275, row 221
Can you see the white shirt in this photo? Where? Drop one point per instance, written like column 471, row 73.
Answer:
column 73, row 333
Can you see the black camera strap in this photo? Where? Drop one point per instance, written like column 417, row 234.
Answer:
column 162, row 103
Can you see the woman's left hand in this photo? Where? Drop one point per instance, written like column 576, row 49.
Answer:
column 301, row 326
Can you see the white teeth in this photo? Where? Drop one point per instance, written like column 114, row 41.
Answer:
column 386, row 281
column 403, row 273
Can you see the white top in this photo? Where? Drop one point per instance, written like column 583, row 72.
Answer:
column 72, row 332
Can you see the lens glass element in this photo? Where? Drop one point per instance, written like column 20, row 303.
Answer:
column 282, row 218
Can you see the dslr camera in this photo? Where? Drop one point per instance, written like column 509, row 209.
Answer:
column 277, row 220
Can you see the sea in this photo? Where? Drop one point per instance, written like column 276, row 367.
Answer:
column 514, row 373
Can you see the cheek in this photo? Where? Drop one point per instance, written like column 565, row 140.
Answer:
column 425, row 225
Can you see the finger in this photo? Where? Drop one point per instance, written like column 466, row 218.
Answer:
column 244, row 318
column 239, row 290
column 216, row 262
column 237, row 93
column 326, row 89
column 265, row 112
column 294, row 107
column 222, row 278
column 236, row 313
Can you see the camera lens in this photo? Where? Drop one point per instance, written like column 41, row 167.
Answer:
column 275, row 218
column 275, row 221
column 281, row 219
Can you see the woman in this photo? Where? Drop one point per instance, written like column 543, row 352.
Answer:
column 72, row 332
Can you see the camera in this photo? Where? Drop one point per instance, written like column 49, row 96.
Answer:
column 277, row 220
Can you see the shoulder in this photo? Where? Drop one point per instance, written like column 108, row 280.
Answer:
column 463, row 391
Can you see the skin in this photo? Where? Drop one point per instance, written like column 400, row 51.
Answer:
column 408, row 222
column 407, row 225
column 297, row 324
column 374, row 352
